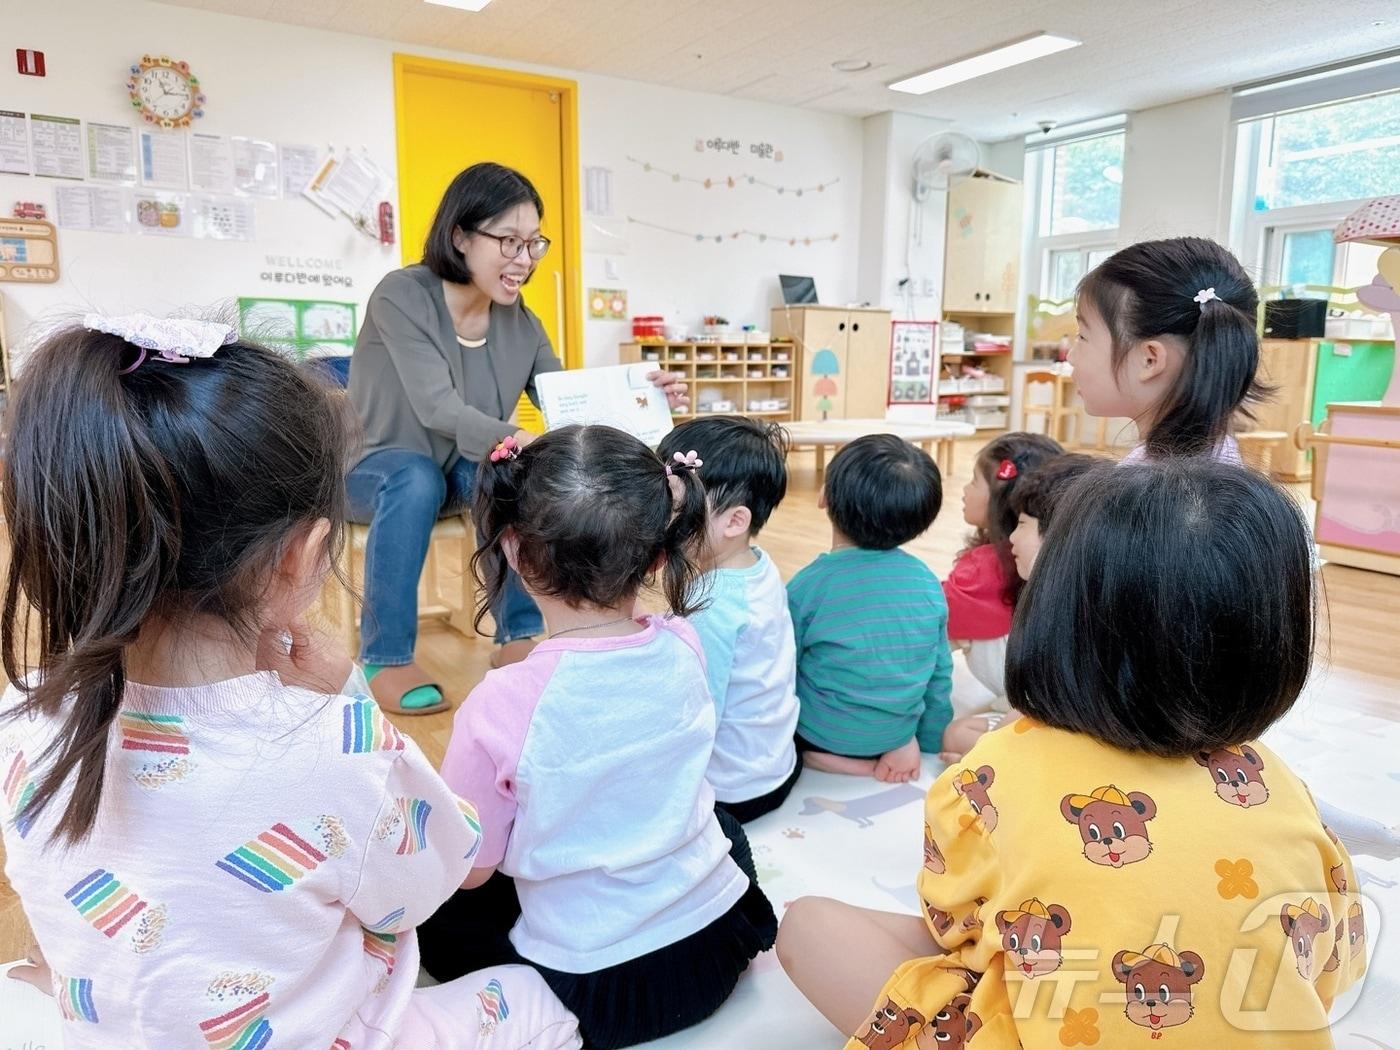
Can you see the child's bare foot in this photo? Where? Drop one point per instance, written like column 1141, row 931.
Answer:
column 963, row 733
column 829, row 763
column 900, row 765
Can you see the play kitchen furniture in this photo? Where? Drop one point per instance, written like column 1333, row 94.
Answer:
column 844, row 353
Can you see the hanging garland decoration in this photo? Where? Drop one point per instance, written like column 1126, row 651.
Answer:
column 719, row 238
column 731, row 181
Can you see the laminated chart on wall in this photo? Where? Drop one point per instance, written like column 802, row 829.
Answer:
column 911, row 362
column 28, row 251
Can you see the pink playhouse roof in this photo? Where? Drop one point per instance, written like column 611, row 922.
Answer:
column 1377, row 221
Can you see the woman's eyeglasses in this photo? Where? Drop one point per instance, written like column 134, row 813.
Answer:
column 512, row 245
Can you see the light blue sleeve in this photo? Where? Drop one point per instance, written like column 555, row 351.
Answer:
column 719, row 626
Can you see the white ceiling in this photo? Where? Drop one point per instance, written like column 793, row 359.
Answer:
column 1136, row 53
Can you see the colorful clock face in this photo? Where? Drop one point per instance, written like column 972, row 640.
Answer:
column 165, row 92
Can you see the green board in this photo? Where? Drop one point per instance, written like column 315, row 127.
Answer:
column 1360, row 375
column 310, row 327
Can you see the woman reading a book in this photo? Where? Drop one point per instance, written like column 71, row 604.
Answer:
column 446, row 349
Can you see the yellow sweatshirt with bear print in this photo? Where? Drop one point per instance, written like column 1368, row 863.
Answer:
column 1087, row 896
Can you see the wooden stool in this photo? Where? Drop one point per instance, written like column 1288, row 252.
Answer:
column 1057, row 411
column 1257, row 448
column 456, row 606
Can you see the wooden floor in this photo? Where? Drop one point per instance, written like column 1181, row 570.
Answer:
column 1358, row 636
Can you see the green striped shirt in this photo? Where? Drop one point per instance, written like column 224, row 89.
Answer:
column 873, row 663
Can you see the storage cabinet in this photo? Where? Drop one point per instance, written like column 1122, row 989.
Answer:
column 746, row 379
column 981, row 258
column 844, row 358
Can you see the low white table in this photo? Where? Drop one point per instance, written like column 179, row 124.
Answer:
column 833, row 433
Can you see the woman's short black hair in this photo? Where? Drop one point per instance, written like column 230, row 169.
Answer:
column 1041, row 490
column 475, row 197
column 745, row 462
column 1171, row 610
column 882, row 491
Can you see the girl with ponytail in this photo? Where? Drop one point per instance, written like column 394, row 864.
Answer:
column 174, row 498
column 1167, row 337
column 605, row 864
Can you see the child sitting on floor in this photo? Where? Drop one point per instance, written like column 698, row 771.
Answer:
column 210, row 853
column 618, row 879
column 873, row 665
column 1033, row 503
column 981, row 589
column 1129, row 827
column 746, row 629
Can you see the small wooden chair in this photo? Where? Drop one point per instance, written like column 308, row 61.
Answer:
column 456, row 606
column 1057, row 411
column 1257, row 448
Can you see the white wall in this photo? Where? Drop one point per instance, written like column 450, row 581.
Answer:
column 1177, row 171
column 297, row 85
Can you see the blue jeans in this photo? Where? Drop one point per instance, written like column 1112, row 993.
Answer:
column 401, row 495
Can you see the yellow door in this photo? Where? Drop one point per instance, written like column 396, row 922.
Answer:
column 451, row 116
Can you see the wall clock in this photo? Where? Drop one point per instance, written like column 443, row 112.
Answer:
column 165, row 91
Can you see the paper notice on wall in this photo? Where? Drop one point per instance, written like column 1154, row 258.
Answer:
column 597, row 191
column 163, row 161
column 163, row 214
column 354, row 184
column 211, row 163
column 299, row 165
column 14, row 143
column 57, row 143
column 223, row 218
column 111, row 153
column 254, row 167
column 92, row 208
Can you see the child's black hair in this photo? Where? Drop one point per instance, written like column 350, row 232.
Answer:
column 1171, row 610
column 1025, row 452
column 882, row 492
column 594, row 514
column 1038, row 495
column 166, row 493
column 1150, row 289
column 745, row 462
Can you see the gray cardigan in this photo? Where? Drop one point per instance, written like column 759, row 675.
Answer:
column 415, row 387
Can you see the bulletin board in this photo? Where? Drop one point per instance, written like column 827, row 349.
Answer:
column 912, row 346
column 312, row 327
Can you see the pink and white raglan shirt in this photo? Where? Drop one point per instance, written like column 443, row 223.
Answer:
column 587, row 765
column 260, row 859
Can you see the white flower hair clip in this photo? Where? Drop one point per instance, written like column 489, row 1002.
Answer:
column 1204, row 296
column 176, row 340
column 690, row 461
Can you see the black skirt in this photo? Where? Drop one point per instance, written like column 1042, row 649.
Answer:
column 753, row 808
column 641, row 999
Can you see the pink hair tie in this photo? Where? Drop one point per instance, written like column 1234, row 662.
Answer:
column 506, row 448
column 690, row 461
column 1006, row 470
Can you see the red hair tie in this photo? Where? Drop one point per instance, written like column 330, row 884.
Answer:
column 1006, row 470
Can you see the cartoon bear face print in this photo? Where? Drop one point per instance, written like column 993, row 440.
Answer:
column 889, row 1026
column 940, row 920
column 1237, row 775
column 1158, row 985
column 1032, row 937
column 933, row 856
column 1112, row 825
column 952, row 1027
column 974, row 787
column 1302, row 923
column 972, row 920
column 1339, row 877
column 1355, row 933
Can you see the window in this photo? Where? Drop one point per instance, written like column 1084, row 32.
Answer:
column 1075, row 185
column 1299, row 172
column 1343, row 152
column 1085, row 186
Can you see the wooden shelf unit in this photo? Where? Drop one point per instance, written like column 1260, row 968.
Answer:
column 730, row 380
column 996, row 363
